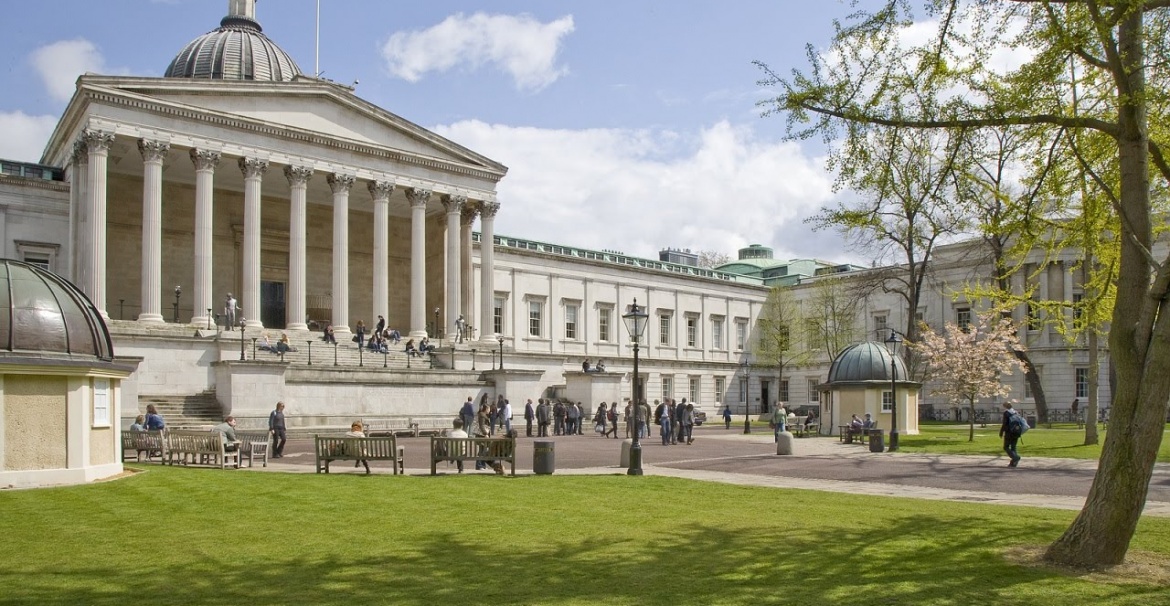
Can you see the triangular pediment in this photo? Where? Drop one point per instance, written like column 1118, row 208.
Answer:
column 307, row 106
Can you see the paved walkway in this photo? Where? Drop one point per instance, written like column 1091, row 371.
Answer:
column 817, row 464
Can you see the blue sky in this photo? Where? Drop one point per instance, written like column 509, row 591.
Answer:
column 625, row 125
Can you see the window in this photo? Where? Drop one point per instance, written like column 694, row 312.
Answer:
column 692, row 331
column 1033, row 316
column 887, row 401
column 498, row 316
column 664, row 329
column 814, row 396
column 535, row 314
column 740, row 334
column 1082, row 381
column 1078, row 302
column 720, row 389
column 667, row 387
column 743, row 390
column 603, row 324
column 784, row 390
column 920, row 316
column 880, row 327
column 963, row 318
column 571, row 322
column 694, row 391
column 717, row 333
column 101, row 402
column 40, row 254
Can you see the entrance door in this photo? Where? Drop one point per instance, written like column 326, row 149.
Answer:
column 765, row 395
column 272, row 311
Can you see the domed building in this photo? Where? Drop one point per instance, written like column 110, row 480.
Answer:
column 236, row 50
column 60, row 385
column 859, row 383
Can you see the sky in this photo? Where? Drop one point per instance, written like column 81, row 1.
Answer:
column 628, row 126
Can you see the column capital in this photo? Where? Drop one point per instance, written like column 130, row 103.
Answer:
column 380, row 190
column 298, row 175
column 253, row 168
column 97, row 140
column 453, row 203
column 418, row 196
column 470, row 212
column 80, row 151
column 204, row 159
column 488, row 209
column 339, row 183
column 153, row 151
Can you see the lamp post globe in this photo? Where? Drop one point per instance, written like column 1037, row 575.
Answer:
column 892, row 344
column 635, row 319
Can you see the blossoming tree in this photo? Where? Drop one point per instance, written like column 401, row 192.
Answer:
column 965, row 365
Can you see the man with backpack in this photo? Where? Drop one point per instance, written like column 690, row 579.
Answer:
column 1014, row 426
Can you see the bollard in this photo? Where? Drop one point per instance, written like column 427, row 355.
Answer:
column 784, row 443
column 627, row 444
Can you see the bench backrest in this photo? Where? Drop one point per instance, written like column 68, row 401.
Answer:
column 445, row 448
column 252, row 437
column 142, row 440
column 199, row 442
column 381, row 447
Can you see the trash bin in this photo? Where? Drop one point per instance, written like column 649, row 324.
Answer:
column 877, row 441
column 1031, row 419
column 544, row 460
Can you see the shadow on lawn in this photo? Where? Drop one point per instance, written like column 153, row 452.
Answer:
column 698, row 564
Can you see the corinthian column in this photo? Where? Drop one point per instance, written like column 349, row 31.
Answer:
column 340, row 184
column 98, row 144
column 298, row 182
column 153, row 154
column 78, row 202
column 205, row 162
column 418, row 268
column 253, row 169
column 466, row 277
column 454, row 206
column 380, row 191
column 487, row 268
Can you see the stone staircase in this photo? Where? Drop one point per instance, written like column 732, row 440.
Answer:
column 182, row 411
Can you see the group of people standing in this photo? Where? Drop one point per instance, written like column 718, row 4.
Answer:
column 675, row 420
column 567, row 418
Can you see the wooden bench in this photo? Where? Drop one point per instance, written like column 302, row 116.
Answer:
column 394, row 426
column 848, row 433
column 254, row 445
column 149, row 442
column 380, row 448
column 472, row 449
column 432, row 426
column 200, row 447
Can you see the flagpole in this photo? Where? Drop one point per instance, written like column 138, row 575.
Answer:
column 317, row 45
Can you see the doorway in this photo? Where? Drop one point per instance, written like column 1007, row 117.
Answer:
column 272, row 310
column 765, row 395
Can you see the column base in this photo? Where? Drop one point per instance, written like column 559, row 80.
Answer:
column 203, row 322
column 253, row 325
column 417, row 334
column 151, row 318
column 297, row 326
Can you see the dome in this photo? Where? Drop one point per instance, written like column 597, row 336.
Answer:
column 236, row 50
column 865, row 362
column 44, row 314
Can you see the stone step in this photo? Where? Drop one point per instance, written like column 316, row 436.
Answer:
column 197, row 409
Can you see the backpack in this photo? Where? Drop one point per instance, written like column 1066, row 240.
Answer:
column 1017, row 424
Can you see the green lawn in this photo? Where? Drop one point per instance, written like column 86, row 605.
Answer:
column 187, row 536
column 1064, row 441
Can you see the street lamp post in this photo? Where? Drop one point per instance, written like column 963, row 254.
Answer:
column 178, row 293
column 500, row 339
column 472, row 358
column 747, row 397
column 242, row 356
column 635, row 320
column 892, row 344
column 437, row 324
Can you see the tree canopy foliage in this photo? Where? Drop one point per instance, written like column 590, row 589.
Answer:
column 1015, row 64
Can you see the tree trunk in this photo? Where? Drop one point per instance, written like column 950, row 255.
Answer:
column 971, row 420
column 1139, row 343
column 1033, row 379
column 1094, row 370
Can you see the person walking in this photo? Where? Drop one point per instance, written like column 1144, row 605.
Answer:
column 529, row 416
column 601, row 419
column 467, row 414
column 688, row 423
column 1010, row 438
column 506, row 415
column 779, row 418
column 666, row 423
column 276, row 427
column 613, row 421
column 727, row 416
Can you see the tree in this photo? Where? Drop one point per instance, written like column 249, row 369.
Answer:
column 905, row 177
column 966, row 365
column 870, row 80
column 711, row 259
column 775, row 344
column 831, row 316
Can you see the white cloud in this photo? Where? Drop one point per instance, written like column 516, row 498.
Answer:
column 24, row 136
column 521, row 46
column 60, row 63
column 639, row 191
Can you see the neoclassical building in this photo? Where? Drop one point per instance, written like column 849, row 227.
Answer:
column 236, row 173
